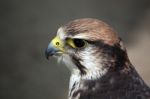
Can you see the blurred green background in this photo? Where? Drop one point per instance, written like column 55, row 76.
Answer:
column 27, row 26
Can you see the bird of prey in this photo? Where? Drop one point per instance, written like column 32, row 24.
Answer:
column 98, row 61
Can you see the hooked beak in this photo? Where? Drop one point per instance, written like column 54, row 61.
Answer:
column 50, row 51
column 54, row 48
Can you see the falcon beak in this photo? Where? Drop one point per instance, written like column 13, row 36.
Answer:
column 56, row 47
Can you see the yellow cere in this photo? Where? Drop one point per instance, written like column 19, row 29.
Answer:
column 57, row 43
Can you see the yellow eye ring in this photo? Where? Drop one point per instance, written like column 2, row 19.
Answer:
column 76, row 43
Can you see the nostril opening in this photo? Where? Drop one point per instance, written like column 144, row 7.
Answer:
column 57, row 43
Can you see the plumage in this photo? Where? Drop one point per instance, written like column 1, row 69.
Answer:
column 98, row 61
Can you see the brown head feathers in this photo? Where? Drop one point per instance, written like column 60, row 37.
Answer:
column 94, row 29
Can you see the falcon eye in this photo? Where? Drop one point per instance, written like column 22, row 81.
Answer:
column 76, row 43
column 79, row 43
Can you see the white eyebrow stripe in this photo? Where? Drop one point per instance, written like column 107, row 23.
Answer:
column 81, row 36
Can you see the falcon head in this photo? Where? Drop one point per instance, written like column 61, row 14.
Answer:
column 89, row 47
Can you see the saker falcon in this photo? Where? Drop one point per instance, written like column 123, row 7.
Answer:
column 97, row 59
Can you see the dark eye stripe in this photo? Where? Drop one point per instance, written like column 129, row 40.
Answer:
column 112, row 51
column 76, row 61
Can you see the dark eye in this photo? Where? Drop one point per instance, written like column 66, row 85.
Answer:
column 79, row 43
